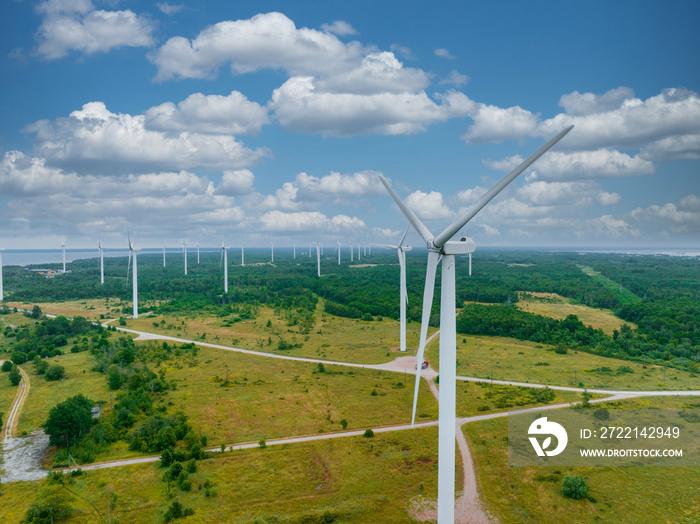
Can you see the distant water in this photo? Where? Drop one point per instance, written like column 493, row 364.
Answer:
column 25, row 257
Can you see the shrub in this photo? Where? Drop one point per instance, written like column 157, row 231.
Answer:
column 574, row 487
column 15, row 376
column 191, row 466
column 19, row 358
column 262, row 443
column 561, row 350
column 55, row 372
column 7, row 366
column 368, row 433
column 601, row 414
column 344, row 423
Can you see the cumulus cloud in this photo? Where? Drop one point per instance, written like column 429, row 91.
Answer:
column 269, row 40
column 300, row 107
column 496, row 124
column 428, row 205
column 233, row 114
column 683, row 217
column 602, row 163
column 542, row 193
column 313, row 221
column 589, row 103
column 97, row 140
column 75, row 25
column 237, row 182
column 357, row 184
column 339, row 28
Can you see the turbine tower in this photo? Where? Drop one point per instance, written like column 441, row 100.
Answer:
column 352, row 257
column 311, row 244
column 224, row 259
column 163, row 254
column 403, row 298
column 440, row 247
column 63, row 248
column 102, row 263
column 2, row 296
column 318, row 259
column 338, row 248
column 197, row 252
column 294, row 246
column 272, row 253
column 242, row 255
column 132, row 252
column 184, row 247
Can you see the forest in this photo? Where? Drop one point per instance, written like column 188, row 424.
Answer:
column 660, row 294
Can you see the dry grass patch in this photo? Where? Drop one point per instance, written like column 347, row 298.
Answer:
column 90, row 309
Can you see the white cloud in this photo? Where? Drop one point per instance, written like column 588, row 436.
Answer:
column 75, row 25
column 682, row 218
column 169, row 9
column 608, row 199
column 97, row 140
column 300, row 107
column 402, row 50
column 610, row 227
column 312, row 221
column 456, row 79
column 444, row 53
column 269, row 40
column 339, row 28
column 428, row 205
column 495, row 124
column 361, row 183
column 233, row 114
column 690, row 202
column 471, row 196
column 237, row 182
column 589, row 103
column 601, row 163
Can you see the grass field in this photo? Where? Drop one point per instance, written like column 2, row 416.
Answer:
column 622, row 495
column 350, row 480
column 625, row 294
column 91, row 309
column 332, row 338
column 523, row 361
column 558, row 307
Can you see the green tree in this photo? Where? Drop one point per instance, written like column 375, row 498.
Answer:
column 15, row 376
column 55, row 372
column 50, row 504
column 7, row 366
column 114, row 377
column 574, row 487
column 69, row 421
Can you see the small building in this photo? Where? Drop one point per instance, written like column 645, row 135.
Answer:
column 96, row 412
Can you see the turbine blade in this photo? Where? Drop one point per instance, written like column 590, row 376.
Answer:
column 410, row 215
column 128, row 266
column 386, row 246
column 404, row 236
column 455, row 226
column 433, row 259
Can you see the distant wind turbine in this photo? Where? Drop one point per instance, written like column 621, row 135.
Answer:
column 359, row 252
column 318, row 259
column 295, row 251
column 184, row 248
column 224, row 259
column 2, row 296
column 441, row 248
column 403, row 293
column 197, row 252
column 102, row 262
column 163, row 254
column 338, row 242
column 272, row 253
column 132, row 252
column 242, row 255
column 63, row 248
column 311, row 245
column 351, row 252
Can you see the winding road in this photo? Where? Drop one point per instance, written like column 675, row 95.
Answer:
column 469, row 508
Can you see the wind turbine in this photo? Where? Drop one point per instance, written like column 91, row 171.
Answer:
column 441, row 248
column 242, row 256
column 2, row 297
column 224, row 259
column 163, row 254
column 133, row 251
column 318, row 259
column 295, row 251
column 197, row 252
column 338, row 248
column 359, row 252
column 184, row 247
column 311, row 244
column 351, row 252
column 102, row 262
column 63, row 248
column 272, row 253
column 401, row 252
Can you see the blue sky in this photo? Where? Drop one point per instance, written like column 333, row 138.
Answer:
column 260, row 121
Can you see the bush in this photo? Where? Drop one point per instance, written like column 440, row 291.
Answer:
column 55, row 372
column 177, row 510
column 19, row 358
column 601, row 414
column 7, row 366
column 15, row 376
column 262, row 443
column 368, row 433
column 191, row 466
column 574, row 487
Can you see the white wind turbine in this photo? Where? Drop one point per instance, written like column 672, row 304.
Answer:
column 224, row 259
column 403, row 293
column 132, row 252
column 318, row 259
column 163, row 254
column 338, row 248
column 359, row 252
column 272, row 253
column 311, row 245
column 352, row 257
column 2, row 296
column 197, row 252
column 440, row 247
column 184, row 249
column 102, row 262
column 295, row 251
column 242, row 255
column 63, row 248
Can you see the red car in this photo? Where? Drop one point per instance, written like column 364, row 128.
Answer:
column 424, row 365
